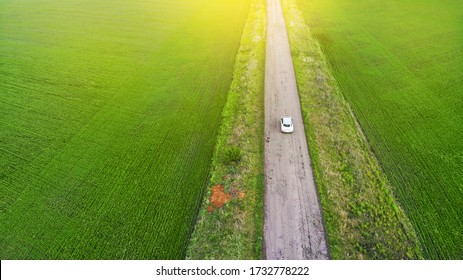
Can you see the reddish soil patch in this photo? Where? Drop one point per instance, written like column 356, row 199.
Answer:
column 218, row 196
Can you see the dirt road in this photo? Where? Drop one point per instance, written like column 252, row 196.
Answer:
column 293, row 224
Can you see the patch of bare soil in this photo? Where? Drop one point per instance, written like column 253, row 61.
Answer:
column 219, row 197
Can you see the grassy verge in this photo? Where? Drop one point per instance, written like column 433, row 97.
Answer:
column 362, row 217
column 230, row 221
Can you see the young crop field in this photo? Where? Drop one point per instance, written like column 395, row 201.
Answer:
column 109, row 112
column 400, row 66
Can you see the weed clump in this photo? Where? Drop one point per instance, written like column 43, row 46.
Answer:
column 232, row 155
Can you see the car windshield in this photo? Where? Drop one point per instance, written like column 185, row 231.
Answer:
column 286, row 121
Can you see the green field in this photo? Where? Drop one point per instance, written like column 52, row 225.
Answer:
column 400, row 66
column 109, row 112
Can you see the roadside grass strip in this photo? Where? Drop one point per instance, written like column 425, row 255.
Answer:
column 362, row 217
column 230, row 221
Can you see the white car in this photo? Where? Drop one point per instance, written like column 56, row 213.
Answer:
column 286, row 124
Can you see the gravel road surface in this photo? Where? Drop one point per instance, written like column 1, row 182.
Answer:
column 293, row 223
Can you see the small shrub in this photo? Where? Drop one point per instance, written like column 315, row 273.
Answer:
column 232, row 155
